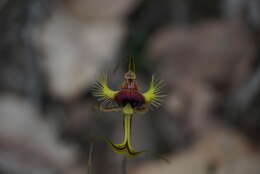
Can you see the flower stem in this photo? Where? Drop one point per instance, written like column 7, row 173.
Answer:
column 124, row 165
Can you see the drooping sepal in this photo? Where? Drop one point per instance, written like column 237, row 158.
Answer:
column 126, row 146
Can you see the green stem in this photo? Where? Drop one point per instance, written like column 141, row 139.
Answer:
column 124, row 165
column 91, row 149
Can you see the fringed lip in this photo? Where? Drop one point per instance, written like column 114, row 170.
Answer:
column 133, row 97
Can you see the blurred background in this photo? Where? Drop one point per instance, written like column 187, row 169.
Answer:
column 207, row 52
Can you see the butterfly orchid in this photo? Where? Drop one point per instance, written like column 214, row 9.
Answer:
column 128, row 100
